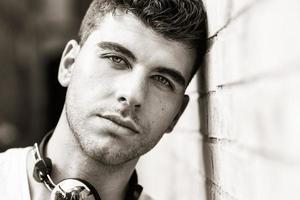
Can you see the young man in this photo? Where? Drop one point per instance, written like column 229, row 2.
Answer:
column 126, row 82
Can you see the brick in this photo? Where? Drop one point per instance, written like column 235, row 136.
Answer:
column 221, row 13
column 218, row 13
column 257, row 42
column 190, row 120
column 174, row 165
column 243, row 175
column 253, row 102
column 193, row 86
column 239, row 8
column 262, row 115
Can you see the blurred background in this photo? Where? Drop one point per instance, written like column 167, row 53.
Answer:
column 239, row 137
column 32, row 37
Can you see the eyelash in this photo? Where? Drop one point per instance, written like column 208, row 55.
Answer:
column 113, row 58
column 164, row 81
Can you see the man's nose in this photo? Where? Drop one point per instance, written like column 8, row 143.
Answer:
column 131, row 92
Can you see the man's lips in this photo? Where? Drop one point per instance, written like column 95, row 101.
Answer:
column 121, row 122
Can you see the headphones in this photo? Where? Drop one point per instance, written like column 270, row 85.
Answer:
column 71, row 188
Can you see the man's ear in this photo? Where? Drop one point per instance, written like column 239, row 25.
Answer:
column 67, row 62
column 184, row 104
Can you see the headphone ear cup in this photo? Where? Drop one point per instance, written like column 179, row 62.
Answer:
column 42, row 168
column 48, row 163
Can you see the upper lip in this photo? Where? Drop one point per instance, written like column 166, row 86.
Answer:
column 127, row 123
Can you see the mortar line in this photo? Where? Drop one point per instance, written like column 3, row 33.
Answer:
column 237, row 15
column 282, row 72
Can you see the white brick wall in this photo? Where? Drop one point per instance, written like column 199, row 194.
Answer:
column 253, row 101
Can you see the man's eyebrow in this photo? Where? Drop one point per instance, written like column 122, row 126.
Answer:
column 116, row 47
column 176, row 75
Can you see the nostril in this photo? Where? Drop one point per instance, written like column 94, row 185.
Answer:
column 125, row 102
column 122, row 99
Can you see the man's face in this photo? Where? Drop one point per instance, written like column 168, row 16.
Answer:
column 126, row 88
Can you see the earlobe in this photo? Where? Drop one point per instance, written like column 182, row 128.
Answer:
column 67, row 62
column 184, row 104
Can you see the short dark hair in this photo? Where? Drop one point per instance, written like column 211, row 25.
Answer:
column 179, row 20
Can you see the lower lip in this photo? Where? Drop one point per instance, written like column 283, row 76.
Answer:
column 117, row 127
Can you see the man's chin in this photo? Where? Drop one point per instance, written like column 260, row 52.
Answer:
column 107, row 148
column 109, row 156
column 113, row 160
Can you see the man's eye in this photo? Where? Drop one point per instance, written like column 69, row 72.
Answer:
column 164, row 81
column 117, row 60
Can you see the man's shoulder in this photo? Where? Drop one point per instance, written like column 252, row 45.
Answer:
column 13, row 153
column 12, row 159
column 13, row 174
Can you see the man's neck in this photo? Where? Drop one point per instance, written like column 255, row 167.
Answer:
column 69, row 161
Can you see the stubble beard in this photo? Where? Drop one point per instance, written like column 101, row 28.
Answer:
column 106, row 155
